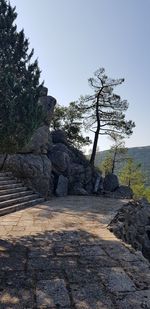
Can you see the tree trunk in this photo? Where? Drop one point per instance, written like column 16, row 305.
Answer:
column 114, row 161
column 92, row 159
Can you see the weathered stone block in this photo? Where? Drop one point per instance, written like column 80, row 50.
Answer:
column 52, row 293
column 111, row 182
column 33, row 170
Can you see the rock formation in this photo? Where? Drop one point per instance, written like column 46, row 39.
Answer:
column 32, row 165
column 132, row 225
column 41, row 137
column 49, row 164
column 33, row 170
column 111, row 182
column 70, row 163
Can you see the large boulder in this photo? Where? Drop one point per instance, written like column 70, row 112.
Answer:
column 78, row 189
column 60, row 159
column 111, row 182
column 77, row 156
column 81, row 179
column 123, row 192
column 39, row 141
column 59, row 136
column 98, row 184
column 77, row 175
column 48, row 103
column 33, row 170
column 62, row 186
column 58, row 147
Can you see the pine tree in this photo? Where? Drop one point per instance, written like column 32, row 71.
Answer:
column 132, row 176
column 117, row 151
column 104, row 110
column 106, row 165
column 131, row 173
column 70, row 119
column 20, row 113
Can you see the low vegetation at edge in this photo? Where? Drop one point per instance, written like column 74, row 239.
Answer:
column 131, row 165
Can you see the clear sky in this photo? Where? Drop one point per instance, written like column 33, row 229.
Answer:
column 72, row 38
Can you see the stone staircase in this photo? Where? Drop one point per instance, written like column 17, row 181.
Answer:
column 14, row 195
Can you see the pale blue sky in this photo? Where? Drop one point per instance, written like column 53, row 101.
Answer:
column 72, row 38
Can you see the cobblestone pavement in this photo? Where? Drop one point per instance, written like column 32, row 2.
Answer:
column 60, row 255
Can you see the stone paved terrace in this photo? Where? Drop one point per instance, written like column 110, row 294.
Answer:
column 60, row 255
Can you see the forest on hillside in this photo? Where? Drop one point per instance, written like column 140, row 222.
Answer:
column 140, row 155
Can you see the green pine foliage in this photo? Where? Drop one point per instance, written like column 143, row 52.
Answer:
column 70, row 119
column 147, row 193
column 138, row 154
column 115, row 155
column 104, row 110
column 131, row 173
column 132, row 176
column 20, row 114
column 106, row 165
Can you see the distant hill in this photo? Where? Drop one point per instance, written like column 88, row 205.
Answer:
column 139, row 154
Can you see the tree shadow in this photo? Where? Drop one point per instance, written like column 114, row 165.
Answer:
column 93, row 208
column 66, row 269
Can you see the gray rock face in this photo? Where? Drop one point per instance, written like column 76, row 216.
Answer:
column 71, row 163
column 124, row 192
column 39, row 141
column 132, row 224
column 59, row 136
column 76, row 179
column 48, row 103
column 62, row 186
column 77, row 173
column 80, row 180
column 111, row 182
column 44, row 92
column 2, row 160
column 78, row 190
column 98, row 185
column 60, row 159
column 33, row 170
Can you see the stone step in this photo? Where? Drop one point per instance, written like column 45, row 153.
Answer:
column 18, row 200
column 20, row 206
column 5, row 178
column 10, row 186
column 7, row 182
column 14, row 195
column 4, row 174
column 13, row 190
column 11, row 196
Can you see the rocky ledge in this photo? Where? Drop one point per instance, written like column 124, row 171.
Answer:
column 132, row 225
column 49, row 164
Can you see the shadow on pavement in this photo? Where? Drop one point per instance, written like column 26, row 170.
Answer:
column 69, row 269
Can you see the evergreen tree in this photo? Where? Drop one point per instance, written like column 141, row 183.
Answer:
column 104, row 110
column 132, row 176
column 115, row 156
column 117, row 151
column 20, row 113
column 106, row 165
column 131, row 173
column 70, row 119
